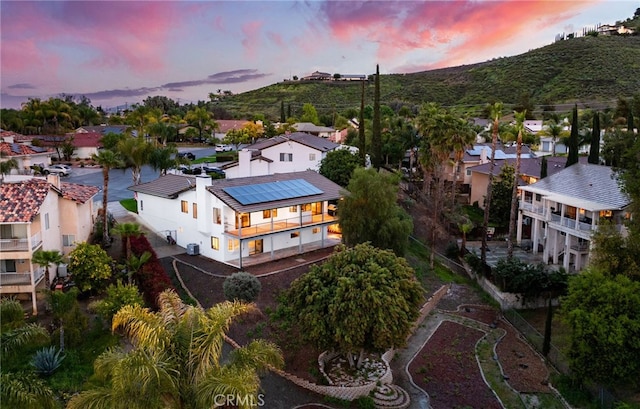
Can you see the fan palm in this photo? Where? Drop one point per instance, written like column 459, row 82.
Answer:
column 519, row 128
column 176, row 359
column 46, row 258
column 496, row 114
column 6, row 167
column 126, row 231
column 108, row 160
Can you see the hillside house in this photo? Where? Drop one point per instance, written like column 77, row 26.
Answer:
column 240, row 221
column 559, row 213
column 35, row 214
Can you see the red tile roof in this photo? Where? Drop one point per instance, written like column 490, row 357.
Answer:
column 18, row 149
column 21, row 201
column 87, row 139
column 78, row 193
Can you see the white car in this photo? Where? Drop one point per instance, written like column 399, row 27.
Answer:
column 223, row 148
column 62, row 170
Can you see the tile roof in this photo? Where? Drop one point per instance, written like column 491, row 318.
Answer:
column 330, row 190
column 311, row 127
column 78, row 193
column 86, row 139
column 18, row 149
column 21, row 201
column 225, row 125
column 592, row 187
column 528, row 166
column 167, row 186
column 312, row 141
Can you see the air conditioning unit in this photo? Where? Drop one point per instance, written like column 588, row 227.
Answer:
column 62, row 270
column 193, row 249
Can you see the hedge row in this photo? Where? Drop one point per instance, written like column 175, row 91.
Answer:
column 152, row 279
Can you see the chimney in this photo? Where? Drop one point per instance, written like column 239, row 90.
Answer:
column 54, row 180
column 244, row 163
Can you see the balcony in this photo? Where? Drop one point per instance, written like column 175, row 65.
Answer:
column 583, row 224
column 280, row 225
column 10, row 279
column 530, row 207
column 21, row 244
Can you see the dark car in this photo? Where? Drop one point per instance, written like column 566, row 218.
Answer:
column 187, row 155
column 213, row 169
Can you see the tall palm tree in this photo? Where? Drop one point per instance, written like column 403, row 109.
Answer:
column 135, row 152
column 201, row 119
column 176, row 359
column 520, row 117
column 6, row 167
column 108, row 160
column 126, row 231
column 46, row 258
column 461, row 136
column 163, row 158
column 496, row 114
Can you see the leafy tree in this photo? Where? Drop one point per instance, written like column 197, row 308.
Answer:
column 594, row 149
column 572, row 156
column 176, row 360
column 615, row 253
column 237, row 137
column 555, row 129
column 362, row 299
column 376, row 137
column 370, row 213
column 529, row 280
column 135, row 153
column 502, row 193
column 46, row 258
column 201, row 119
column 309, row 114
column 338, row 166
column 72, row 322
column 118, row 295
column 90, row 266
column 163, row 158
column 111, row 140
column 603, row 313
column 108, row 160
column 6, row 167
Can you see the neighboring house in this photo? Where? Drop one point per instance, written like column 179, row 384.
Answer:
column 318, row 76
column 14, row 137
column 529, row 173
column 86, row 144
column 25, row 155
column 352, row 77
column 281, row 154
column 560, row 212
column 103, row 129
column 546, row 146
column 310, row 128
column 230, row 220
column 607, row 29
column 35, row 214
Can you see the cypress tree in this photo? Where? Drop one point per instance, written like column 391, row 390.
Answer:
column 543, row 168
column 362, row 140
column 572, row 157
column 288, row 110
column 594, row 149
column 630, row 124
column 282, row 117
column 376, row 137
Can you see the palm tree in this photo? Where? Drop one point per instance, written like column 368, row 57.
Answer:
column 26, row 390
column 520, row 117
column 46, row 258
column 15, row 333
column 496, row 114
column 126, row 231
column 135, row 153
column 107, row 160
column 201, row 119
column 163, row 158
column 6, row 167
column 555, row 129
column 176, row 359
column 461, row 136
column 134, row 264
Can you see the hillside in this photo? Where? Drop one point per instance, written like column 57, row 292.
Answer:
column 593, row 71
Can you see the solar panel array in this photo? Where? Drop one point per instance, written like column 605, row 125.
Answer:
column 272, row 191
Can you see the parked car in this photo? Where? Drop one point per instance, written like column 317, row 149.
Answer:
column 213, row 169
column 62, row 170
column 187, row 155
column 223, row 148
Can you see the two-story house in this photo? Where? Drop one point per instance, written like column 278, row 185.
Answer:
column 239, row 220
column 35, row 214
column 25, row 155
column 295, row 152
column 560, row 212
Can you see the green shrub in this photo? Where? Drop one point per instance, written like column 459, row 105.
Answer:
column 11, row 313
column 117, row 296
column 452, row 251
column 47, row 360
column 241, row 286
column 365, row 402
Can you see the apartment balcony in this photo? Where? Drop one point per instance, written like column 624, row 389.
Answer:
column 283, row 225
column 21, row 279
column 571, row 223
column 21, row 244
column 530, row 207
column 581, row 247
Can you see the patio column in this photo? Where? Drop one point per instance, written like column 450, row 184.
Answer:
column 534, row 235
column 555, row 247
column 567, row 248
column 519, row 229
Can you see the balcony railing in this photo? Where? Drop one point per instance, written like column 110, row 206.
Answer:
column 7, row 279
column 571, row 223
column 21, row 244
column 279, row 225
column 532, row 208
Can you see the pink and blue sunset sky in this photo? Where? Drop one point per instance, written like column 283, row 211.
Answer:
column 117, row 52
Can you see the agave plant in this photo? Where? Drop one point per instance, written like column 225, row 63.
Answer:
column 47, row 360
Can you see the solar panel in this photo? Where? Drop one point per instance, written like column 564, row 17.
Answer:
column 272, row 191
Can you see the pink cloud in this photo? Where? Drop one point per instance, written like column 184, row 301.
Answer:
column 251, row 40
column 276, row 39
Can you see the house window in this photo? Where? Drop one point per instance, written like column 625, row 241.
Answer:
column 68, row 240
column 316, row 230
column 266, row 214
column 305, row 207
column 195, row 210
column 286, row 157
column 215, row 243
column 293, row 209
column 46, row 221
column 233, row 244
column 217, row 215
column 538, row 197
column 8, row 266
column 468, row 172
column 184, row 206
column 295, row 234
column 243, row 220
column 312, row 156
